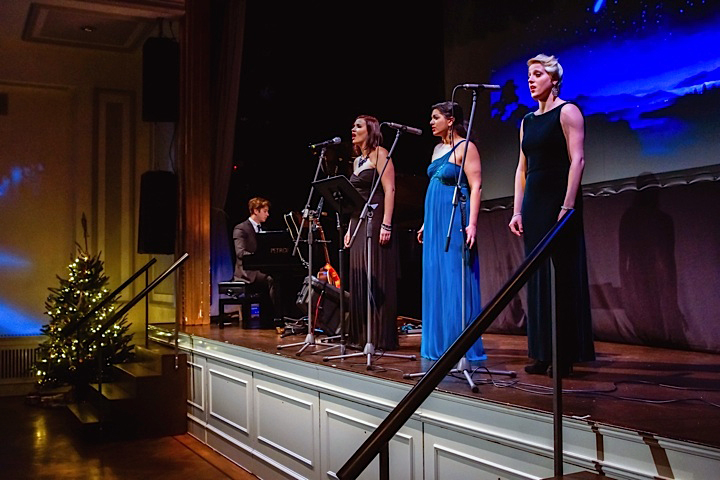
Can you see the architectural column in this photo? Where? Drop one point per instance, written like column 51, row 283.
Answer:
column 194, row 165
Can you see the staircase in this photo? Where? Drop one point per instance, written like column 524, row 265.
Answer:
column 146, row 399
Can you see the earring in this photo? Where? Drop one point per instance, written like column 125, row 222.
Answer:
column 555, row 90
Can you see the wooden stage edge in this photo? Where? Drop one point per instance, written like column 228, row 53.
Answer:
column 669, row 393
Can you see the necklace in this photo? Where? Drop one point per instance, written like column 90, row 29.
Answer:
column 362, row 161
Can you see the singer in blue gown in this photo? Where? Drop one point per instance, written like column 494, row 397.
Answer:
column 442, row 320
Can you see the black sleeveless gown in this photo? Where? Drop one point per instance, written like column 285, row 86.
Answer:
column 384, row 274
column 548, row 164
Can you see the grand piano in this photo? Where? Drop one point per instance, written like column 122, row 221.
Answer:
column 274, row 256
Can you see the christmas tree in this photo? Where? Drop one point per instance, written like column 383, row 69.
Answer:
column 71, row 358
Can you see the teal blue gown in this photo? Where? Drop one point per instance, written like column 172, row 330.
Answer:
column 442, row 276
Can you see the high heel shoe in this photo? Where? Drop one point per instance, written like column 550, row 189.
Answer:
column 537, row 368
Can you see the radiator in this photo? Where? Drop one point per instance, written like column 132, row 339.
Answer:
column 17, row 355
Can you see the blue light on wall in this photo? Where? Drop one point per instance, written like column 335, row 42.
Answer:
column 15, row 322
column 598, row 6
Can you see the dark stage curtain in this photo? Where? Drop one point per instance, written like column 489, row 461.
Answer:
column 653, row 261
column 225, row 103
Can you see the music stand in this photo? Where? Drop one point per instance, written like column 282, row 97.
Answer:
column 343, row 198
column 309, row 214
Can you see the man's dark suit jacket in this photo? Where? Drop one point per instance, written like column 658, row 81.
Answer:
column 245, row 243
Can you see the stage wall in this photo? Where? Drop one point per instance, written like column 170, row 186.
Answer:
column 653, row 261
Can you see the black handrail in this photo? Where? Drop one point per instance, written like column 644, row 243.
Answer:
column 121, row 313
column 417, row 395
column 71, row 327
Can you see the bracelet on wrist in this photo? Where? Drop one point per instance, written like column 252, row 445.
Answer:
column 387, row 227
column 563, row 207
column 516, row 215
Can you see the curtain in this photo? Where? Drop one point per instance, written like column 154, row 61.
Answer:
column 225, row 104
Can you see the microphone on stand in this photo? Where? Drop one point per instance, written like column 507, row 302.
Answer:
column 404, row 128
column 332, row 141
column 479, row 86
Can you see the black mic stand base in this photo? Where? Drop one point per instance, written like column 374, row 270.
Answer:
column 369, row 353
column 464, row 367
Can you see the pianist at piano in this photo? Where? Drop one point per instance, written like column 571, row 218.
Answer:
column 245, row 240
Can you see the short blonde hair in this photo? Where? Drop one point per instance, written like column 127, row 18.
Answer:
column 551, row 66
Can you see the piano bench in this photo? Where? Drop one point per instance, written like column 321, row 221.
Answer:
column 243, row 294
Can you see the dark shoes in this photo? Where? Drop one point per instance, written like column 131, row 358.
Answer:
column 537, row 368
column 541, row 368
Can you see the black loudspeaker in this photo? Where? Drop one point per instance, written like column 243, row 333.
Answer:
column 328, row 306
column 158, row 212
column 161, row 80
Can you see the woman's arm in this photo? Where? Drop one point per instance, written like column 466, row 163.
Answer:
column 388, row 185
column 573, row 126
column 473, row 172
column 516, row 223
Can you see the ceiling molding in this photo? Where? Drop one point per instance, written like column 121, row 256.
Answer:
column 116, row 26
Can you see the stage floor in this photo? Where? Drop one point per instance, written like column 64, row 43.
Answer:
column 669, row 393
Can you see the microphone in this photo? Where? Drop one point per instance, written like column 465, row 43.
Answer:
column 479, row 86
column 333, row 141
column 404, row 128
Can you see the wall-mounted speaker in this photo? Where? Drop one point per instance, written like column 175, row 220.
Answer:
column 161, row 80
column 158, row 212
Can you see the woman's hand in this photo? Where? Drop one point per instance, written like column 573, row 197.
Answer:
column 420, row 234
column 384, row 236
column 516, row 224
column 470, row 232
column 347, row 239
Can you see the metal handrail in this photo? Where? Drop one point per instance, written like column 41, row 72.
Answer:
column 379, row 439
column 71, row 327
column 121, row 313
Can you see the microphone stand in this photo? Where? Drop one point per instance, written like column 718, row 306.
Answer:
column 366, row 215
column 341, row 252
column 309, row 215
column 463, row 366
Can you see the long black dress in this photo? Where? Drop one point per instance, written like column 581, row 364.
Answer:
column 548, row 164
column 384, row 274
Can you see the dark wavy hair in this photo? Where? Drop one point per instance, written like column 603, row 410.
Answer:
column 375, row 137
column 454, row 111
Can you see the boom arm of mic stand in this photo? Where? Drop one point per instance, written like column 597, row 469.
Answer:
column 456, row 194
column 364, row 212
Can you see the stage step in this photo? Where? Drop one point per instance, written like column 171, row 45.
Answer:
column 112, row 391
column 85, row 412
column 146, row 398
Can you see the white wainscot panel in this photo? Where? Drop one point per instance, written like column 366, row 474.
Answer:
column 346, row 425
column 230, row 402
column 196, row 386
column 286, row 422
column 634, row 455
column 452, row 455
column 197, row 418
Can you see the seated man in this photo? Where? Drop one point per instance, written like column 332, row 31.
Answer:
column 244, row 237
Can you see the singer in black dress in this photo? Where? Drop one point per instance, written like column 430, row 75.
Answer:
column 366, row 138
column 547, row 186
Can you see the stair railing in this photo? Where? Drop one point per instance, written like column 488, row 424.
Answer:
column 126, row 308
column 72, row 327
column 378, row 441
